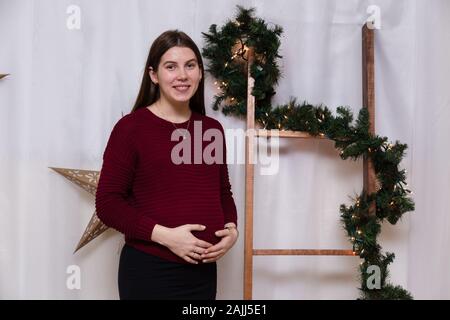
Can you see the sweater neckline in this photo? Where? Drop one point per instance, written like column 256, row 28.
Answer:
column 154, row 116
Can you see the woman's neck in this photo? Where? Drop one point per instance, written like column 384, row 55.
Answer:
column 176, row 112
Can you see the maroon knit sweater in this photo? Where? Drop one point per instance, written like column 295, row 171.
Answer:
column 140, row 186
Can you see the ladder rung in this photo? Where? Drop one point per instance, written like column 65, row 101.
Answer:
column 303, row 252
column 289, row 134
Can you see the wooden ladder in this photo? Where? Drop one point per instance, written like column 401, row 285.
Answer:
column 369, row 178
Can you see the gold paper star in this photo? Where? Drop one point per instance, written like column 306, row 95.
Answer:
column 88, row 180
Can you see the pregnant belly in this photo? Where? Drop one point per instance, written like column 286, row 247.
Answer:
column 213, row 220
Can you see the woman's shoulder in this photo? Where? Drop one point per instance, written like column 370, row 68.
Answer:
column 127, row 123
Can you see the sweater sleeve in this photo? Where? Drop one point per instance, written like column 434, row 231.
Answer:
column 228, row 205
column 115, row 183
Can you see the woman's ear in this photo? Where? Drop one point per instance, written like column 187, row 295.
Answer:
column 153, row 75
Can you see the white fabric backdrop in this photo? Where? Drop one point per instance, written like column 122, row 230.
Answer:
column 69, row 87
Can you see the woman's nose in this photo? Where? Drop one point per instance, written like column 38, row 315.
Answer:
column 182, row 74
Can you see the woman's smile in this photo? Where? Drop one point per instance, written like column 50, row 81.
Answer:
column 182, row 88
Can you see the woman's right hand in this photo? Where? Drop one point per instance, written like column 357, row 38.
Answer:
column 181, row 241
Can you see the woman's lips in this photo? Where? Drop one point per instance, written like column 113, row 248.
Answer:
column 181, row 88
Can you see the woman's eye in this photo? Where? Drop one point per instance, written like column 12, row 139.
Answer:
column 192, row 65
column 170, row 67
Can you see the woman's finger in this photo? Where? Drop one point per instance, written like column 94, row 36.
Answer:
column 216, row 247
column 212, row 259
column 212, row 254
column 203, row 244
column 222, row 233
column 195, row 255
column 188, row 259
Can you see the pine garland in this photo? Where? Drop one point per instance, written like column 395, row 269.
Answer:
column 226, row 50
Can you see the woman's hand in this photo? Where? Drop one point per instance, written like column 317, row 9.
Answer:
column 217, row 251
column 181, row 241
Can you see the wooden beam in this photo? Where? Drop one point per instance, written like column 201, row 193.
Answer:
column 249, row 182
column 287, row 134
column 303, row 252
column 368, row 79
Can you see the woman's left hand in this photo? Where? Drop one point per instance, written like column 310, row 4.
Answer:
column 214, row 253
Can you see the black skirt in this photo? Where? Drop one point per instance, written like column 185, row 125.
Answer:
column 145, row 276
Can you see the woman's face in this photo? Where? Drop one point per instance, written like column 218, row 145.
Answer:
column 178, row 74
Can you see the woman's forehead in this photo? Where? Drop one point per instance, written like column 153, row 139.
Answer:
column 178, row 54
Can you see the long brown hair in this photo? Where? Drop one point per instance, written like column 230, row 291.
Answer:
column 149, row 92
